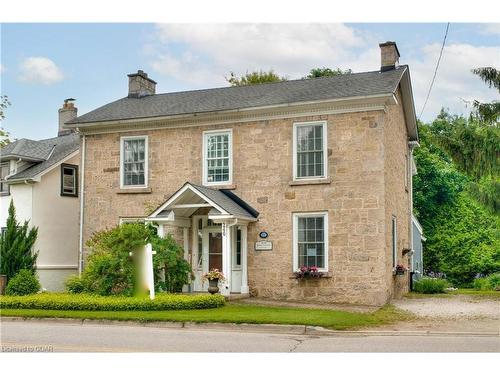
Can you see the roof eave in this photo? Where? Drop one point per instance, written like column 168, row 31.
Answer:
column 409, row 105
column 22, row 157
column 195, row 115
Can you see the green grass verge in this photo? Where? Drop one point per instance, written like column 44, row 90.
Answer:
column 65, row 301
column 235, row 313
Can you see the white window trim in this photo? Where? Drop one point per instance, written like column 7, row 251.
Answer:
column 325, row 150
column 146, row 157
column 295, row 219
column 204, row 156
column 394, row 241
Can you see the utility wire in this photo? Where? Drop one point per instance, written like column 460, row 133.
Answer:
column 435, row 70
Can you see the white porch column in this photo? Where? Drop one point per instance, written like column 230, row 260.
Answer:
column 244, row 254
column 161, row 230
column 186, row 243
column 226, row 259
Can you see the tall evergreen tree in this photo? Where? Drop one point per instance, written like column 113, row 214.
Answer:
column 16, row 246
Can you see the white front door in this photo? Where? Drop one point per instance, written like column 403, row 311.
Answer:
column 207, row 253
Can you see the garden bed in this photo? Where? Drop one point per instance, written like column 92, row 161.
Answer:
column 89, row 302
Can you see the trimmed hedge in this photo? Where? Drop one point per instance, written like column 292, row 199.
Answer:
column 428, row 285
column 89, row 302
column 22, row 284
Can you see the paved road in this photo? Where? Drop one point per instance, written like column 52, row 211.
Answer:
column 67, row 337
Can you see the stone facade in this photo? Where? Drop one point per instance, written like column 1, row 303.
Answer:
column 366, row 152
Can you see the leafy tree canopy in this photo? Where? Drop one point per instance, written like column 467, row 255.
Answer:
column 326, row 72
column 254, row 78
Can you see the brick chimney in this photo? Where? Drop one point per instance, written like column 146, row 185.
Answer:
column 66, row 113
column 389, row 56
column 140, row 85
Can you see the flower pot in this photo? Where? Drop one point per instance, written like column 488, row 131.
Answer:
column 399, row 273
column 213, row 286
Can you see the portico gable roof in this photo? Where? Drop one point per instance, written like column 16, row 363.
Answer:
column 190, row 197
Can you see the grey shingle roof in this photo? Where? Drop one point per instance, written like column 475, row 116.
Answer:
column 53, row 150
column 232, row 98
column 228, row 201
column 27, row 149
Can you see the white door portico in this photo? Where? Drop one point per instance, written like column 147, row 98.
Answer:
column 217, row 221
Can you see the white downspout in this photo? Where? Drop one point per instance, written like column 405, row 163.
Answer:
column 82, row 199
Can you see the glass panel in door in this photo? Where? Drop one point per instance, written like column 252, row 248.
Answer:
column 215, row 250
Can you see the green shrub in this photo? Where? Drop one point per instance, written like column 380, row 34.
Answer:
column 492, row 282
column 22, row 284
column 110, row 268
column 74, row 284
column 429, row 285
column 89, row 302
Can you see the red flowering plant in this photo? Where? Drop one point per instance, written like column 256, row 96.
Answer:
column 306, row 272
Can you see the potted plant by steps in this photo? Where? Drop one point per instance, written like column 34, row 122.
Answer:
column 400, row 269
column 213, row 277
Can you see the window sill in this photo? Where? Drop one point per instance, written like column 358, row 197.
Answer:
column 328, row 275
column 318, row 181
column 4, row 194
column 146, row 190
column 221, row 186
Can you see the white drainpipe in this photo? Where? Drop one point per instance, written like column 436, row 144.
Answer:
column 82, row 199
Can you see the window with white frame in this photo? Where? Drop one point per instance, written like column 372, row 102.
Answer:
column 134, row 161
column 309, row 150
column 394, row 241
column 217, row 157
column 69, row 180
column 310, row 237
column 4, row 187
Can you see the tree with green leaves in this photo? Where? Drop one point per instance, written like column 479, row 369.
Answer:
column 4, row 135
column 326, row 72
column 16, row 246
column 488, row 112
column 254, row 78
column 462, row 236
column 474, row 147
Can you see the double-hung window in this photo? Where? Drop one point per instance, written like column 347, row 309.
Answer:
column 309, row 150
column 310, row 240
column 69, row 180
column 4, row 187
column 217, row 157
column 134, row 162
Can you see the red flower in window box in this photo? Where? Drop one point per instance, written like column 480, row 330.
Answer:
column 400, row 269
column 308, row 273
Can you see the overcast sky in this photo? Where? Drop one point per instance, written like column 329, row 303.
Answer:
column 42, row 64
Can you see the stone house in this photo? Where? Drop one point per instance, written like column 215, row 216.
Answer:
column 261, row 180
column 41, row 178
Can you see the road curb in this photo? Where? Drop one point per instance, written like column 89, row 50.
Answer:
column 246, row 327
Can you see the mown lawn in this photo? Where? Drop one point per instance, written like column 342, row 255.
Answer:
column 236, row 313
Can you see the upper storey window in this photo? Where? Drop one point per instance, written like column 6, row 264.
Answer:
column 217, row 157
column 309, row 150
column 134, row 162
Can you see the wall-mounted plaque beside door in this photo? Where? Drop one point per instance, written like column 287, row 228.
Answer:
column 263, row 245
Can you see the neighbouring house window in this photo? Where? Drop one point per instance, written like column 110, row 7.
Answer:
column 310, row 234
column 237, row 260
column 134, row 161
column 394, row 242
column 217, row 157
column 4, row 187
column 310, row 151
column 69, row 180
